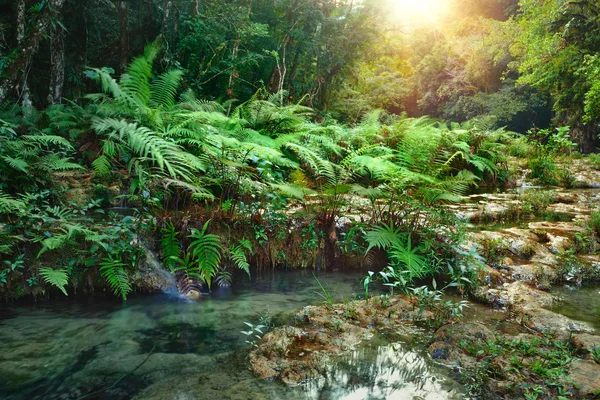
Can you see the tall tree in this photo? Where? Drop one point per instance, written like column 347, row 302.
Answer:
column 57, row 55
column 39, row 29
column 123, row 36
column 21, row 14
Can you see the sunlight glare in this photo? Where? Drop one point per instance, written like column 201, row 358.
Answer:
column 423, row 10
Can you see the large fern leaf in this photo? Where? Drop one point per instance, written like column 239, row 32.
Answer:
column 113, row 271
column 206, row 252
column 383, row 236
column 56, row 277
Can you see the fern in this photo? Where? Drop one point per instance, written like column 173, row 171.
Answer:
column 383, row 236
column 238, row 256
column 62, row 164
column 17, row 163
column 113, row 271
column 102, row 165
column 164, row 90
column 9, row 204
column 148, row 145
column 136, row 81
column 57, row 278
column 292, row 190
column 405, row 257
column 170, row 246
column 206, row 253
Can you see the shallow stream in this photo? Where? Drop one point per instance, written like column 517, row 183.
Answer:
column 161, row 347
column 580, row 304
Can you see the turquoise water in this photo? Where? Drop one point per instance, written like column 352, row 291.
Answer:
column 160, row 347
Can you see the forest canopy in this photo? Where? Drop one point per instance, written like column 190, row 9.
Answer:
column 519, row 64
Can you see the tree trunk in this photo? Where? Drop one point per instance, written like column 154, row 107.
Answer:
column 234, row 72
column 123, row 37
column 57, row 57
column 26, row 51
column 27, row 104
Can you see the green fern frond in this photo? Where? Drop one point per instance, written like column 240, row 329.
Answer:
column 146, row 143
column 47, row 140
column 9, row 204
column 206, row 252
column 383, row 236
column 17, row 163
column 238, row 256
column 53, row 243
column 292, row 190
column 136, row 81
column 197, row 191
column 62, row 164
column 164, row 90
column 170, row 246
column 55, row 277
column 102, row 165
column 113, row 271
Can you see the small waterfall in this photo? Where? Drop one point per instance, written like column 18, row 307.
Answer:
column 168, row 282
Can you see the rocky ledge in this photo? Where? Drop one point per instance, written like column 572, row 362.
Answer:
column 293, row 354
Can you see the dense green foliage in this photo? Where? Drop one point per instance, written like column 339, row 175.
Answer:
column 500, row 63
column 163, row 150
column 274, row 120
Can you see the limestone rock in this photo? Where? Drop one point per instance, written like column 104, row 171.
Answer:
column 586, row 375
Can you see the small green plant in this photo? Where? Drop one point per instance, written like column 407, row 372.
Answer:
column 254, row 334
column 594, row 160
column 596, row 354
column 310, row 236
column 567, row 178
column 325, row 294
column 352, row 242
column 536, row 202
column 544, row 169
column 444, row 311
column 576, row 270
column 494, row 251
column 593, row 223
column 260, row 234
column 559, row 141
column 18, row 263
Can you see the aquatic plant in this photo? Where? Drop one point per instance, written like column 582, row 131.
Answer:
column 254, row 334
column 325, row 294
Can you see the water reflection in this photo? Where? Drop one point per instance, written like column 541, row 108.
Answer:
column 68, row 349
column 390, row 372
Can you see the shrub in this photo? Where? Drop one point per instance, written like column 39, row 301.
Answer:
column 520, row 148
column 537, row 201
column 544, row 169
column 593, row 223
column 494, row 251
column 594, row 160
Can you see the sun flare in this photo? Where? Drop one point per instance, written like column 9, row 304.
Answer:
column 423, row 10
